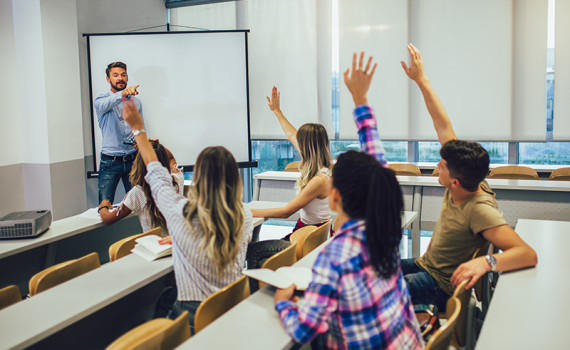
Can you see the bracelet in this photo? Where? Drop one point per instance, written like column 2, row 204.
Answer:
column 107, row 207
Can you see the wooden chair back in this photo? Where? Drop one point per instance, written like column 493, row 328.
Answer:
column 220, row 302
column 335, row 225
column 286, row 257
column 161, row 333
column 463, row 296
column 442, row 337
column 292, row 167
column 514, row 172
column 52, row 276
column 479, row 285
column 562, row 174
column 316, row 238
column 435, row 172
column 405, row 169
column 299, row 237
column 9, row 296
column 123, row 247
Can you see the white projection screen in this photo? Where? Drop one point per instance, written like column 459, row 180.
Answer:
column 193, row 88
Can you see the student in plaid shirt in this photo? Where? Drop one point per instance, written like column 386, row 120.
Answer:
column 358, row 298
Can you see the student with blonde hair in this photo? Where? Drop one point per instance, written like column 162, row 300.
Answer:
column 312, row 143
column 210, row 230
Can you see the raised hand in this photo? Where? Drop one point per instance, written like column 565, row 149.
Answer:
column 273, row 102
column 416, row 69
column 131, row 114
column 359, row 79
column 130, row 91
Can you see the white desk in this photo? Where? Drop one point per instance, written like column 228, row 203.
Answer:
column 529, row 308
column 254, row 323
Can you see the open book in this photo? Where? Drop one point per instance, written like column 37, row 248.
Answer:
column 283, row 277
column 149, row 249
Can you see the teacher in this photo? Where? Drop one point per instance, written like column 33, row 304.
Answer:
column 117, row 151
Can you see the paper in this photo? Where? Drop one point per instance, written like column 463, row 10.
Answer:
column 93, row 214
column 149, row 249
column 283, row 277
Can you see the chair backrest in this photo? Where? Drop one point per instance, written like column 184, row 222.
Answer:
column 484, row 250
column 562, row 174
column 514, row 172
column 336, row 223
column 161, row 333
column 9, row 296
column 316, row 238
column 123, row 247
column 442, row 337
column 463, row 295
column 405, row 169
column 299, row 237
column 286, row 257
column 220, row 302
column 292, row 167
column 52, row 276
column 435, row 172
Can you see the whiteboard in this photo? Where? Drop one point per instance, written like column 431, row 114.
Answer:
column 193, row 88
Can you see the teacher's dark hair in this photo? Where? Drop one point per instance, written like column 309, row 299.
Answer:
column 115, row 65
column 370, row 191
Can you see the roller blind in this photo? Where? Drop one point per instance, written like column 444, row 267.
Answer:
column 561, row 131
column 485, row 59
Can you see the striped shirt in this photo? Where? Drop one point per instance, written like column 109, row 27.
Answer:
column 196, row 275
column 346, row 299
column 136, row 201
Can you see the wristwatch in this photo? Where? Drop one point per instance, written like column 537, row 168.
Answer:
column 137, row 132
column 492, row 261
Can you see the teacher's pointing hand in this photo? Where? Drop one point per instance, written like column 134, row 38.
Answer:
column 130, row 91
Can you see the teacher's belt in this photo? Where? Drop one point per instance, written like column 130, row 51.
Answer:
column 124, row 159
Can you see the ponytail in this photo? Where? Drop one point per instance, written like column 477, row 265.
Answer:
column 371, row 192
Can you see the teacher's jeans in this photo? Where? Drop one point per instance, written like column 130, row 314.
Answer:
column 110, row 172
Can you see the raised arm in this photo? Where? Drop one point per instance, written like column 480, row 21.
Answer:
column 104, row 104
column 358, row 83
column 435, row 108
column 289, row 129
column 132, row 117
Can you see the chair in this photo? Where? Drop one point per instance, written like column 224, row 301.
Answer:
column 336, row 223
column 442, row 337
column 220, row 302
column 52, row 276
column 299, row 237
column 514, row 172
column 286, row 257
column 9, row 296
column 483, row 285
column 292, row 167
column 562, row 174
column 123, row 247
column 463, row 325
column 316, row 238
column 159, row 334
column 435, row 172
column 405, row 169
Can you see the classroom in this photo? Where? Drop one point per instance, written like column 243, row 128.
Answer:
column 101, row 96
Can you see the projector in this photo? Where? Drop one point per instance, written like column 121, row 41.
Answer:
column 24, row 224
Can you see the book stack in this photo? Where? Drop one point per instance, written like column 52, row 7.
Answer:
column 149, row 249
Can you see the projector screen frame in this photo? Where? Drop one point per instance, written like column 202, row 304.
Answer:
column 249, row 164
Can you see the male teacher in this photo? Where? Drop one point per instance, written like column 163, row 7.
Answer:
column 117, row 151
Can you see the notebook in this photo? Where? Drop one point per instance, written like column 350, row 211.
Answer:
column 283, row 277
column 149, row 249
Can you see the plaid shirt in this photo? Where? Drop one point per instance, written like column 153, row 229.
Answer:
column 346, row 298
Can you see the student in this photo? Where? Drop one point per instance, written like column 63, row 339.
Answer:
column 312, row 143
column 358, row 297
column 469, row 215
column 210, row 230
column 139, row 198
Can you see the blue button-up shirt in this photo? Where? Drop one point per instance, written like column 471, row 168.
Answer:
column 115, row 130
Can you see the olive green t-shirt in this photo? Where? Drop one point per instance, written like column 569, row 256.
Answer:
column 458, row 234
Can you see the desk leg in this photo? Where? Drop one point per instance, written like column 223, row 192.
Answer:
column 417, row 207
column 256, row 185
column 50, row 256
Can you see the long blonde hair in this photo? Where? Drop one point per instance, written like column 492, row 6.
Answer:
column 136, row 178
column 216, row 199
column 314, row 147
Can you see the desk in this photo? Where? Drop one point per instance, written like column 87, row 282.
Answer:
column 69, row 304
column 254, row 323
column 529, row 308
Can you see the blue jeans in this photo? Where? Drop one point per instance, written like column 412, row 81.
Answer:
column 422, row 287
column 181, row 306
column 110, row 172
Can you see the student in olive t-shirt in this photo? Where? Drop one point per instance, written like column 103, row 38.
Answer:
column 469, row 214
